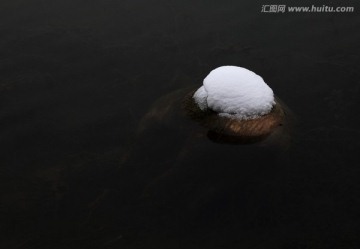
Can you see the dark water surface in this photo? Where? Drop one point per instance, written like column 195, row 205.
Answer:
column 83, row 166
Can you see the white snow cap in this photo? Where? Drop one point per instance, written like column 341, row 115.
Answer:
column 235, row 92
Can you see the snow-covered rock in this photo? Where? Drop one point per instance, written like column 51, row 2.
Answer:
column 235, row 92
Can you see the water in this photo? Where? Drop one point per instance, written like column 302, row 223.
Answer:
column 82, row 166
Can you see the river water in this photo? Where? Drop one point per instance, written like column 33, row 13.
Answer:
column 83, row 166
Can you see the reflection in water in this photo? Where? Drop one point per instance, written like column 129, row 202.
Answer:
column 183, row 184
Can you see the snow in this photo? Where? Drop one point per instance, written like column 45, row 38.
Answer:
column 201, row 98
column 235, row 92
